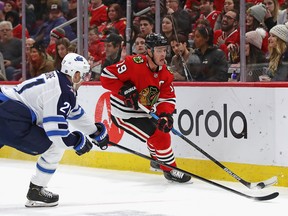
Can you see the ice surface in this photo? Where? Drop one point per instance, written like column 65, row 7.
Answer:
column 97, row 192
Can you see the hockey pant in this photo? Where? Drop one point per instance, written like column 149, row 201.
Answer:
column 158, row 142
column 18, row 131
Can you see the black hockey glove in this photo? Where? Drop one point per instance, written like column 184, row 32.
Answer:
column 83, row 145
column 165, row 122
column 100, row 137
column 130, row 94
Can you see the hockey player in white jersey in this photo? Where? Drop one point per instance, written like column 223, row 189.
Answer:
column 34, row 118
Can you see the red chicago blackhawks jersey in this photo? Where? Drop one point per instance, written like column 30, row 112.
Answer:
column 155, row 88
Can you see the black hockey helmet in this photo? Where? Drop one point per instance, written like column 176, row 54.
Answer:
column 153, row 40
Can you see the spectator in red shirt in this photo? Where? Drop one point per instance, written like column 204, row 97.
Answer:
column 116, row 19
column 98, row 13
column 228, row 37
column 208, row 12
column 14, row 18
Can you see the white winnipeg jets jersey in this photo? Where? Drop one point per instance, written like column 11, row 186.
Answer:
column 52, row 102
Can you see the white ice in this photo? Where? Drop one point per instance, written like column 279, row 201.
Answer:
column 95, row 192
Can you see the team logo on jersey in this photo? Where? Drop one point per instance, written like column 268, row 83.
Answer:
column 149, row 95
column 170, row 69
column 138, row 59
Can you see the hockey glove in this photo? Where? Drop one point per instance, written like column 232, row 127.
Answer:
column 165, row 122
column 130, row 94
column 83, row 145
column 100, row 137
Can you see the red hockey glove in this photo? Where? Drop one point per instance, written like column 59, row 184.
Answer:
column 165, row 122
column 130, row 94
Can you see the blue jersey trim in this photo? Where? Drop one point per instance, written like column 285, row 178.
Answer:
column 57, row 133
column 54, row 119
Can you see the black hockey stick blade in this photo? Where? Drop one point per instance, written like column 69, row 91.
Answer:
column 251, row 185
column 258, row 198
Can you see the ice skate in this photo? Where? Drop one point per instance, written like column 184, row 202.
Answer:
column 39, row 197
column 176, row 176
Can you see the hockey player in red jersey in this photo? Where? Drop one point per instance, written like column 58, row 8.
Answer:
column 145, row 79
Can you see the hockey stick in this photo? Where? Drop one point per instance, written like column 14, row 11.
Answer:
column 261, row 198
column 251, row 185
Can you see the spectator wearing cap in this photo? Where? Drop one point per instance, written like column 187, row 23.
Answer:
column 112, row 44
column 98, row 13
column 13, row 17
column 253, row 52
column 116, row 19
column 255, row 19
column 277, row 71
column 39, row 61
column 55, row 34
column 55, row 19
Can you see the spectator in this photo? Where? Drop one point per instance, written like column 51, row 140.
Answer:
column 56, row 18
column 116, row 19
column 55, row 34
column 11, row 49
column 146, row 24
column 208, row 12
column 62, row 46
column 98, row 13
column 14, row 18
column 183, row 57
column 214, row 65
column 39, row 62
column 29, row 15
column 192, row 7
column 112, row 49
column 255, row 19
column 272, row 13
column 72, row 13
column 140, row 44
column 168, row 29
column 253, row 52
column 278, row 40
column 228, row 37
column 96, row 49
column 181, row 17
column 228, row 5
column 9, row 6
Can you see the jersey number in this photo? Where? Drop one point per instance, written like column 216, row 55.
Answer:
column 121, row 68
column 31, row 84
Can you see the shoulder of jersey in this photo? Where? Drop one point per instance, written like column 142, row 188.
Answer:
column 138, row 59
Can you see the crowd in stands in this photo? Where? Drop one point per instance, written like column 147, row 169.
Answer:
column 203, row 36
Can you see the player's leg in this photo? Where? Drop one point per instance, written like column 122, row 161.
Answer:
column 164, row 152
column 46, row 166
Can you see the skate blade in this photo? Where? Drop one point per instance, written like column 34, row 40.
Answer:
column 155, row 169
column 35, row 204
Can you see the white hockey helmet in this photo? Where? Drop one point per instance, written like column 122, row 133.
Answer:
column 74, row 62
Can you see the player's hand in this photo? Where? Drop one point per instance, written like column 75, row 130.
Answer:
column 130, row 94
column 83, row 145
column 100, row 137
column 165, row 122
